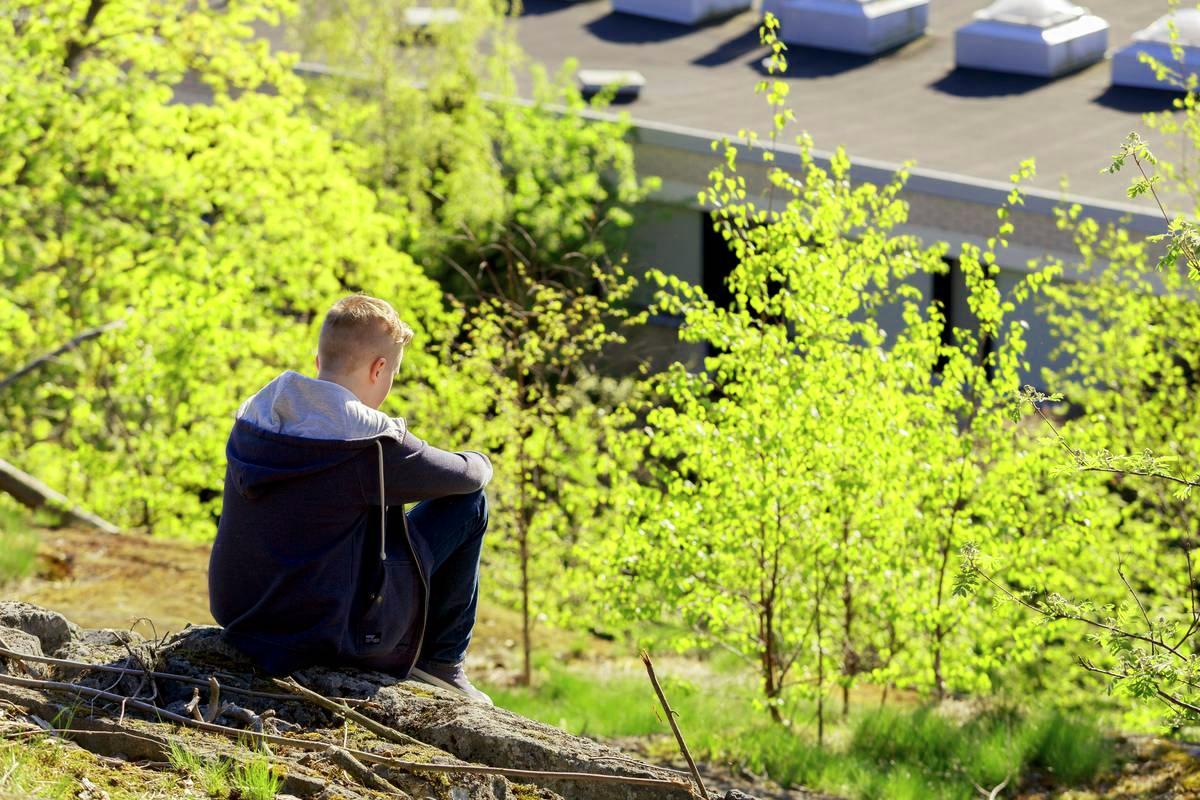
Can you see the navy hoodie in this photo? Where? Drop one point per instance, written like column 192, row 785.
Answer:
column 305, row 568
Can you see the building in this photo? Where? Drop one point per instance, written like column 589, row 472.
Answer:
column 967, row 130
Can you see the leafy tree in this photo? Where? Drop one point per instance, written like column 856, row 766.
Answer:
column 217, row 233
column 1129, row 328
column 803, row 494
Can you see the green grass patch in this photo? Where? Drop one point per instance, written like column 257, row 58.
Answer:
column 889, row 753
column 222, row 778
column 18, row 545
column 256, row 779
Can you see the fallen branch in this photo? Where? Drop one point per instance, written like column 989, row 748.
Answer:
column 193, row 706
column 377, row 728
column 32, row 493
column 52, row 731
column 213, row 709
column 325, row 747
column 662, row 698
column 83, row 665
column 357, row 770
column 90, row 333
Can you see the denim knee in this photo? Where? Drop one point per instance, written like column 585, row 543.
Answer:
column 481, row 508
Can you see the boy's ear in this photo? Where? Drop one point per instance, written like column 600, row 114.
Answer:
column 377, row 368
column 317, row 362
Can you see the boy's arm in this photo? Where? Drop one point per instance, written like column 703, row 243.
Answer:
column 416, row 470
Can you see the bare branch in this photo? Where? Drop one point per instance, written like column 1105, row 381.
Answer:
column 91, row 333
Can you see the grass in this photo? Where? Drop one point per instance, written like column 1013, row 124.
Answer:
column 893, row 753
column 222, row 778
column 18, row 545
column 256, row 780
column 44, row 768
column 211, row 775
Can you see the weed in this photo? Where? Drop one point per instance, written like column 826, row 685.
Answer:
column 256, row 780
column 212, row 775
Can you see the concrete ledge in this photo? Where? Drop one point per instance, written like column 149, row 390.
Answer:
column 950, row 186
column 866, row 27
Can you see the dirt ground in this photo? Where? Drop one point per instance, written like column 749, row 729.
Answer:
column 103, row 580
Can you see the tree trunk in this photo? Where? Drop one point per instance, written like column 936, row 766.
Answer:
column 770, row 663
column 526, row 636
column 820, row 677
column 939, row 633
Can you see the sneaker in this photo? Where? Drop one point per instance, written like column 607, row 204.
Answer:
column 451, row 677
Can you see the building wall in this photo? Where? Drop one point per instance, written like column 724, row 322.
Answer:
column 668, row 232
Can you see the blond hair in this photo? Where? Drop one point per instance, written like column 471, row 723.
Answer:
column 357, row 330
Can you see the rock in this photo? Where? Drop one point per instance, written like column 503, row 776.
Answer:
column 448, row 730
column 500, row 738
column 51, row 629
column 109, row 637
column 21, row 642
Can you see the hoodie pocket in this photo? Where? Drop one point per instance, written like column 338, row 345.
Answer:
column 390, row 618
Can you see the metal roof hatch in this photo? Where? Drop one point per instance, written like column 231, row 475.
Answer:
column 1038, row 13
column 1155, row 40
column 866, row 27
column 1043, row 38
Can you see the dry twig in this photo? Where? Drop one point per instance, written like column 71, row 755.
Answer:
column 357, row 770
column 378, row 728
column 662, row 698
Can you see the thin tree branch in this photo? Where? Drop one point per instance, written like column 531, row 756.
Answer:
column 91, row 333
column 662, row 698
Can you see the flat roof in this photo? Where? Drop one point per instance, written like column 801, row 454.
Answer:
column 909, row 104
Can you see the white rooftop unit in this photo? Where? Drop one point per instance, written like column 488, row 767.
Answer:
column 865, row 27
column 627, row 83
column 1127, row 69
column 685, row 12
column 424, row 17
column 1046, row 38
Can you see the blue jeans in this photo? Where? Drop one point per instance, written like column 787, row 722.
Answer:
column 453, row 527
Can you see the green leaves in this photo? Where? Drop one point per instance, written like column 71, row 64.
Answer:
column 219, row 233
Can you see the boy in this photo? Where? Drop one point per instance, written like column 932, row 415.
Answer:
column 310, row 565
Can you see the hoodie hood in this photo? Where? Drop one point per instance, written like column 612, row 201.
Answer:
column 296, row 425
column 296, row 405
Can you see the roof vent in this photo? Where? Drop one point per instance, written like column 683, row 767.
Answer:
column 627, row 83
column 1155, row 40
column 866, row 27
column 1038, row 13
column 1043, row 38
column 1187, row 22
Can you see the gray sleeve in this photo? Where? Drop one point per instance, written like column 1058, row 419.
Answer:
column 415, row 470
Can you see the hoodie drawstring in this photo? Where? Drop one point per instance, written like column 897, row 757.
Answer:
column 382, row 507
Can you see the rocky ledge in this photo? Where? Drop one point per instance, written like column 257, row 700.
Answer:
column 407, row 740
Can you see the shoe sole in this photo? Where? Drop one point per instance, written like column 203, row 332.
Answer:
column 432, row 680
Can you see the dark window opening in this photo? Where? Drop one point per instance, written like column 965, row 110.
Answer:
column 943, row 296
column 717, row 262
